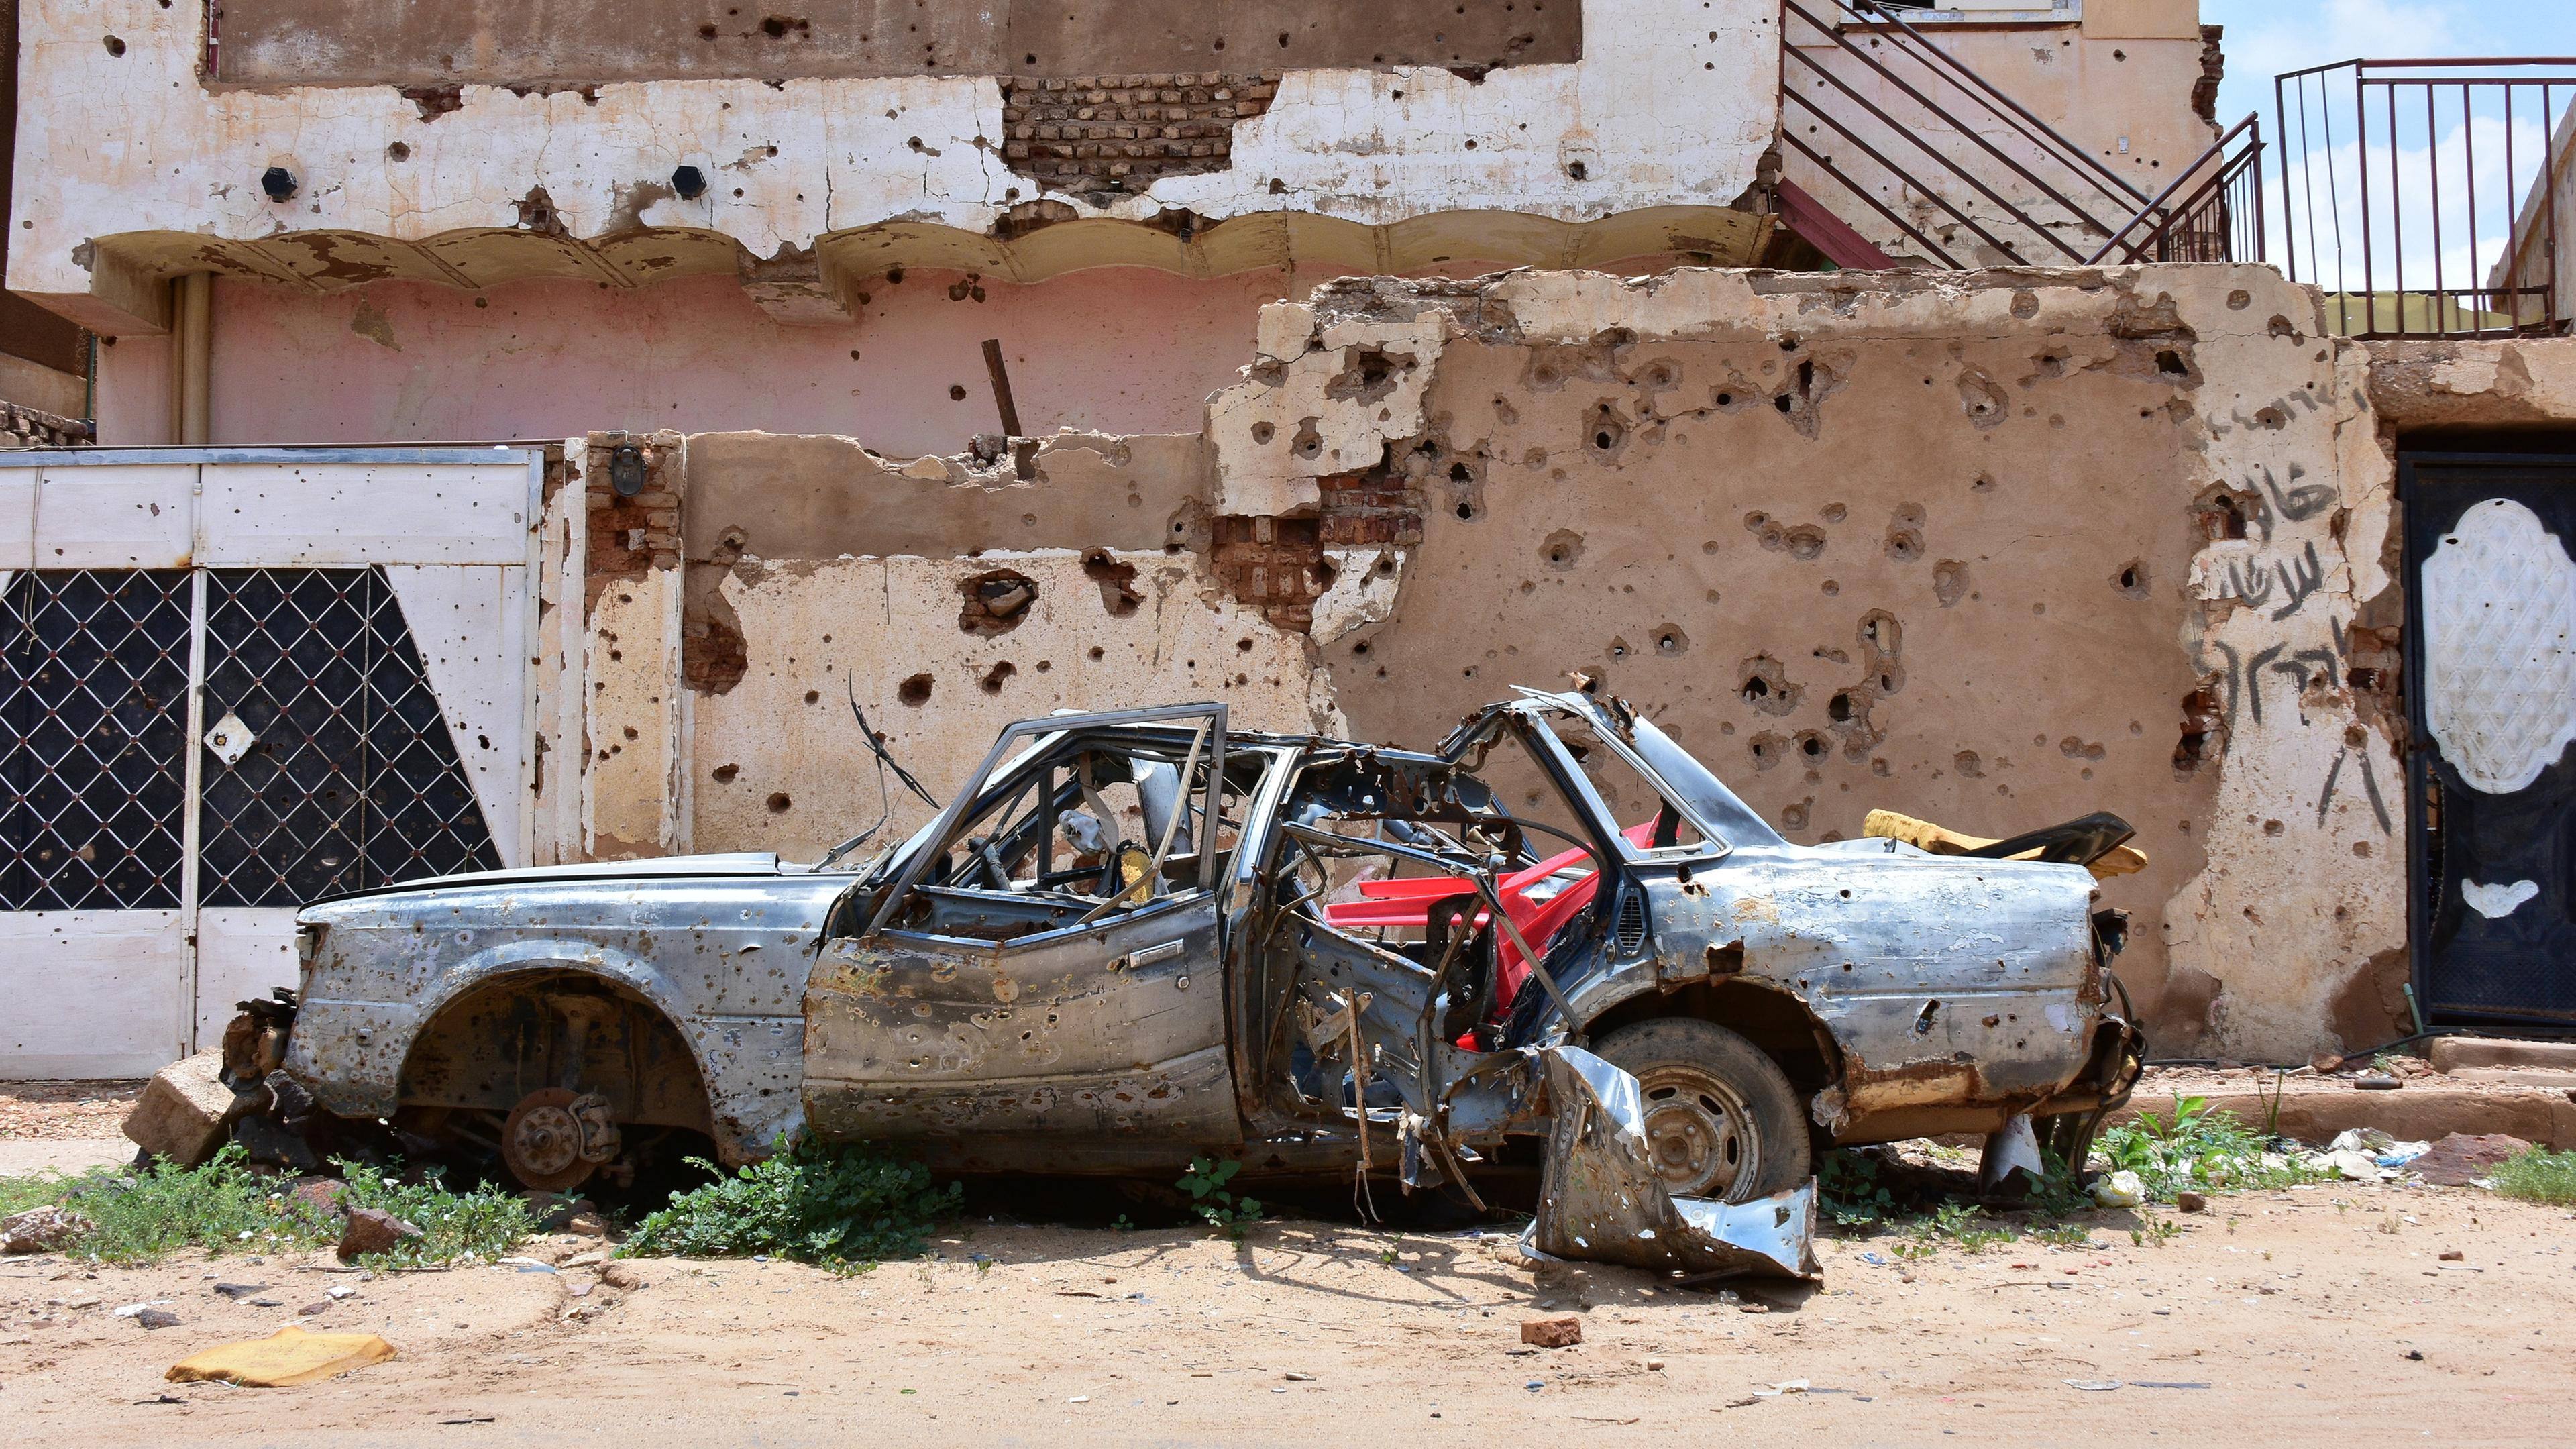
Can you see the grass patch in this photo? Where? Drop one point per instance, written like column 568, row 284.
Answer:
column 142, row 1215
column 845, row 1207
column 2539, row 1175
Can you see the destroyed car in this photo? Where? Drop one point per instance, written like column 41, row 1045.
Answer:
column 1134, row 938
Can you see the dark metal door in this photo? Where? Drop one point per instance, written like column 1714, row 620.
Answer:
column 2491, row 604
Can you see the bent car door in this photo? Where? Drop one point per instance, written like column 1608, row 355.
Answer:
column 1044, row 959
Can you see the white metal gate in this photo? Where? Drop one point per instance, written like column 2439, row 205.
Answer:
column 233, row 681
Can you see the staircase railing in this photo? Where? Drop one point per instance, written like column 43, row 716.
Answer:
column 1944, row 97
column 2212, row 212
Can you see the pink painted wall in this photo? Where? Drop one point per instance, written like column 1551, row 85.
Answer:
column 1122, row 350
column 1116, row 349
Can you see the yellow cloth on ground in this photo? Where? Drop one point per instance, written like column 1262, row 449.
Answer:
column 289, row 1356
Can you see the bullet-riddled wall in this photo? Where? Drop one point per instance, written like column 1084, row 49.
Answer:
column 1997, row 549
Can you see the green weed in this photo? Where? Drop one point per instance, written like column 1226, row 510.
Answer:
column 480, row 1224
column 1205, row 1183
column 840, row 1206
column 2198, row 1151
column 2063, row 1235
column 1958, row 1224
column 1848, row 1189
column 2538, row 1176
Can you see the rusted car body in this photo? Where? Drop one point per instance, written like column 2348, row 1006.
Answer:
column 1133, row 938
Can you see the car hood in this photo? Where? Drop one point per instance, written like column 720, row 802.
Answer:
column 669, row 867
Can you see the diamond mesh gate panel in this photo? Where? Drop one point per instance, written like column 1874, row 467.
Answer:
column 352, row 780
column 93, row 714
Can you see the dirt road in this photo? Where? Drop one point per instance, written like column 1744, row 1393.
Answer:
column 2312, row 1316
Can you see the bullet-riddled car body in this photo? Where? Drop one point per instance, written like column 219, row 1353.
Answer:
column 1134, row 938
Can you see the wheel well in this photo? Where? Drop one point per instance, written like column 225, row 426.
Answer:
column 506, row 1037
column 1778, row 1023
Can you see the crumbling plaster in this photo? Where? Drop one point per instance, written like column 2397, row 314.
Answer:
column 144, row 171
column 1949, row 522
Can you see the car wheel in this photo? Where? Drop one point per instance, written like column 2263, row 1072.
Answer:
column 1722, row 1120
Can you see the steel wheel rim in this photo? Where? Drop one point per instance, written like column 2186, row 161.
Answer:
column 1700, row 1136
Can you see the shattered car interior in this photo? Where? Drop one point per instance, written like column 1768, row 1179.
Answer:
column 1133, row 938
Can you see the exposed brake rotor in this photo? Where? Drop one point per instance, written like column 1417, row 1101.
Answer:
column 557, row 1137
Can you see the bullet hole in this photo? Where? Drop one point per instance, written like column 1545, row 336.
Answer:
column 1794, row 817
column 277, row 183
column 957, row 392
column 2075, row 748
column 1605, row 430
column 1967, row 763
column 2281, row 328
column 997, row 676
column 1561, row 549
column 1670, row 640
column 2221, row 516
column 1768, row 749
column 1619, row 650
column 2273, row 827
column 1578, row 170
column 1983, row 399
column 398, row 151
column 1805, row 542
column 2170, row 363
column 1833, row 513
column 1839, row 708
column 777, row 26
column 995, row 602
column 1949, row 581
column 1097, row 653
column 1905, row 533
column 2025, row 304
column 2132, row 579
column 1766, row 686
column 1368, row 375
column 2200, row 737
column 813, row 696
column 779, row 804
column 1117, row 582
column 1308, row 443
column 914, row 691
column 1467, row 511
column 1263, row 432
column 2239, row 300
column 1784, row 402
column 1726, row 399
column 2361, row 848
column 688, row 182
column 114, row 46
column 1361, row 649
column 707, row 31
column 724, row 774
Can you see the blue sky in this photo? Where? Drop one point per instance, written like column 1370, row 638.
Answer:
column 2267, row 37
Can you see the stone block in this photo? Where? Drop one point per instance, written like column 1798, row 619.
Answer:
column 1564, row 1331
column 185, row 1112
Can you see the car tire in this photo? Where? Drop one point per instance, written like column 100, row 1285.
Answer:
column 1722, row 1120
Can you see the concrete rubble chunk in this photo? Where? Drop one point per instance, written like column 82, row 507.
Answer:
column 186, row 1111
column 372, row 1230
column 2459, row 1157
column 41, row 1230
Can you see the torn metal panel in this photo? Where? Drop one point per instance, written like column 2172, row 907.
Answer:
column 1602, row 1201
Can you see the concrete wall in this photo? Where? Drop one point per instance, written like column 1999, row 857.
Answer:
column 1996, row 549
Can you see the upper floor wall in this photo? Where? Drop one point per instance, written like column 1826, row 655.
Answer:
column 321, row 144
column 472, row 145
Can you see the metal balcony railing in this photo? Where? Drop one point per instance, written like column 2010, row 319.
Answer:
column 2424, row 196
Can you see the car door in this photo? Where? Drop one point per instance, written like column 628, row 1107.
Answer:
column 1035, row 975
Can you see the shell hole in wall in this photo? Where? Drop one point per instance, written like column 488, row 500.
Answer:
column 914, row 691
column 997, row 676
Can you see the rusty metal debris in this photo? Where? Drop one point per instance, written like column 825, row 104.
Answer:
column 1604, row 1202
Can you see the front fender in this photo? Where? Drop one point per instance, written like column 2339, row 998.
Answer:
column 348, row 1049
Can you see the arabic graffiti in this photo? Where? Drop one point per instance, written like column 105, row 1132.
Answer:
column 2369, row 785
column 2305, row 669
column 2298, row 578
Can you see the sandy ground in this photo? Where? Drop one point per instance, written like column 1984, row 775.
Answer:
column 2323, row 1315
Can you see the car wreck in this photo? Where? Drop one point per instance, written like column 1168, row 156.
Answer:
column 1134, row 938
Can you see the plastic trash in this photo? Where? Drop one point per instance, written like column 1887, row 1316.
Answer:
column 288, row 1356
column 2119, row 1189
